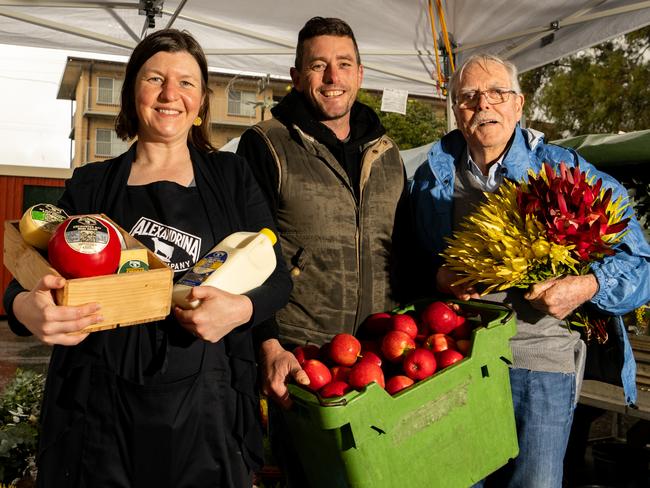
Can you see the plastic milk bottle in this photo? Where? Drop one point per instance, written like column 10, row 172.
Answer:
column 239, row 263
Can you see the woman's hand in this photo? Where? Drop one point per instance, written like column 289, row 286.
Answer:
column 278, row 367
column 444, row 283
column 218, row 313
column 50, row 323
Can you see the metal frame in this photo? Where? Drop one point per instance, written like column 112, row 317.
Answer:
column 286, row 47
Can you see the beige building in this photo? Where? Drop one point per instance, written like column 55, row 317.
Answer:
column 94, row 86
column 236, row 103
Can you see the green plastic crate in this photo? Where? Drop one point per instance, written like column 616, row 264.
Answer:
column 450, row 430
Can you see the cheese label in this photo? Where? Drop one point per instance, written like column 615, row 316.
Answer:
column 86, row 235
column 47, row 216
column 204, row 268
column 133, row 266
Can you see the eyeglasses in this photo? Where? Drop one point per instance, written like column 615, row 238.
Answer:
column 470, row 99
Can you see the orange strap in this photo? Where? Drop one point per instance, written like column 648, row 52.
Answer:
column 442, row 82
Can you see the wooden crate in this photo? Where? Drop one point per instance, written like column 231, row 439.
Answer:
column 125, row 299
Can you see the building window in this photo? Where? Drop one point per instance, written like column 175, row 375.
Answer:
column 108, row 144
column 108, row 91
column 241, row 103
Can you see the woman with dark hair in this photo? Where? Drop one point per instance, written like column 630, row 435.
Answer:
column 171, row 403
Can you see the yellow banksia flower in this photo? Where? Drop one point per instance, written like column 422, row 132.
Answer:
column 495, row 245
column 556, row 223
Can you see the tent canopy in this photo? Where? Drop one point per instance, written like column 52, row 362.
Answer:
column 395, row 37
column 612, row 150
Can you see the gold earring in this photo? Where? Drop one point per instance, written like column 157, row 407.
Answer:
column 197, row 121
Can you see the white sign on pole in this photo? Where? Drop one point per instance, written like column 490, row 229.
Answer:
column 394, row 100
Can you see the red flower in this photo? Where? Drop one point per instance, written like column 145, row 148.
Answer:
column 573, row 211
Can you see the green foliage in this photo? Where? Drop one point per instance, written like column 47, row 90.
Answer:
column 637, row 183
column 640, row 198
column 605, row 89
column 20, row 407
column 419, row 126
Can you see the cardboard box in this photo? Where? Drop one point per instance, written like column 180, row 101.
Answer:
column 449, row 430
column 125, row 299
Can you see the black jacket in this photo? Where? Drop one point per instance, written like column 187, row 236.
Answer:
column 234, row 200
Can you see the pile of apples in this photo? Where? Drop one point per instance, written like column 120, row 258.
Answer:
column 395, row 350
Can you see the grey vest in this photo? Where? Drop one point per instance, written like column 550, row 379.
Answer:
column 338, row 249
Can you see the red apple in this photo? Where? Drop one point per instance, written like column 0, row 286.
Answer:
column 448, row 357
column 395, row 345
column 340, row 373
column 344, row 349
column 324, row 354
column 377, row 324
column 308, row 351
column 423, row 332
column 84, row 246
column 397, row 383
column 419, row 364
column 439, row 342
column 319, row 374
column 373, row 345
column 405, row 323
column 464, row 346
column 334, row 389
column 439, row 317
column 371, row 356
column 364, row 373
column 463, row 329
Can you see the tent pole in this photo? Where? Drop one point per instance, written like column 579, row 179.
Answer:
column 451, row 120
column 546, row 30
column 65, row 28
column 124, row 25
column 554, row 26
column 176, row 13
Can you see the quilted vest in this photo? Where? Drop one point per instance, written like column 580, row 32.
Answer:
column 338, row 249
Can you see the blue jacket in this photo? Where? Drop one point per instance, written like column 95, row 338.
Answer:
column 624, row 278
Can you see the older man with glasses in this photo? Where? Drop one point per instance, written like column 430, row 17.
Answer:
column 488, row 147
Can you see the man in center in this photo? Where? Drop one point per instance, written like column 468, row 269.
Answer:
column 337, row 188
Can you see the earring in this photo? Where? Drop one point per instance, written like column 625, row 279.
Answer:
column 197, row 121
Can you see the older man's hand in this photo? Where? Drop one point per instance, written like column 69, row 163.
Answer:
column 279, row 366
column 561, row 296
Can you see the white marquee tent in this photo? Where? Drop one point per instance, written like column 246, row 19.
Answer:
column 395, row 37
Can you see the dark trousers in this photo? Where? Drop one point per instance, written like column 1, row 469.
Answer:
column 284, row 449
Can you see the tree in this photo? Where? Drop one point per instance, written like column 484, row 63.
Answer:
column 605, row 89
column 602, row 89
column 418, row 127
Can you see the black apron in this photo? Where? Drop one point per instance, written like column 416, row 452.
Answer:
column 175, row 434
column 152, row 405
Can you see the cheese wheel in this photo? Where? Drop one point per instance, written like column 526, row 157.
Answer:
column 39, row 222
column 84, row 246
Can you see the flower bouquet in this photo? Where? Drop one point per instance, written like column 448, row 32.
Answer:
column 555, row 224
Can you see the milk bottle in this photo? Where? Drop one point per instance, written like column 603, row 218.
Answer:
column 239, row 263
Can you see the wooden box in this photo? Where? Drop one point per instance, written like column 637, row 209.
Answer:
column 125, row 299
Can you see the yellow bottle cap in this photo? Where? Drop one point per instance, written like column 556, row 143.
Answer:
column 270, row 234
